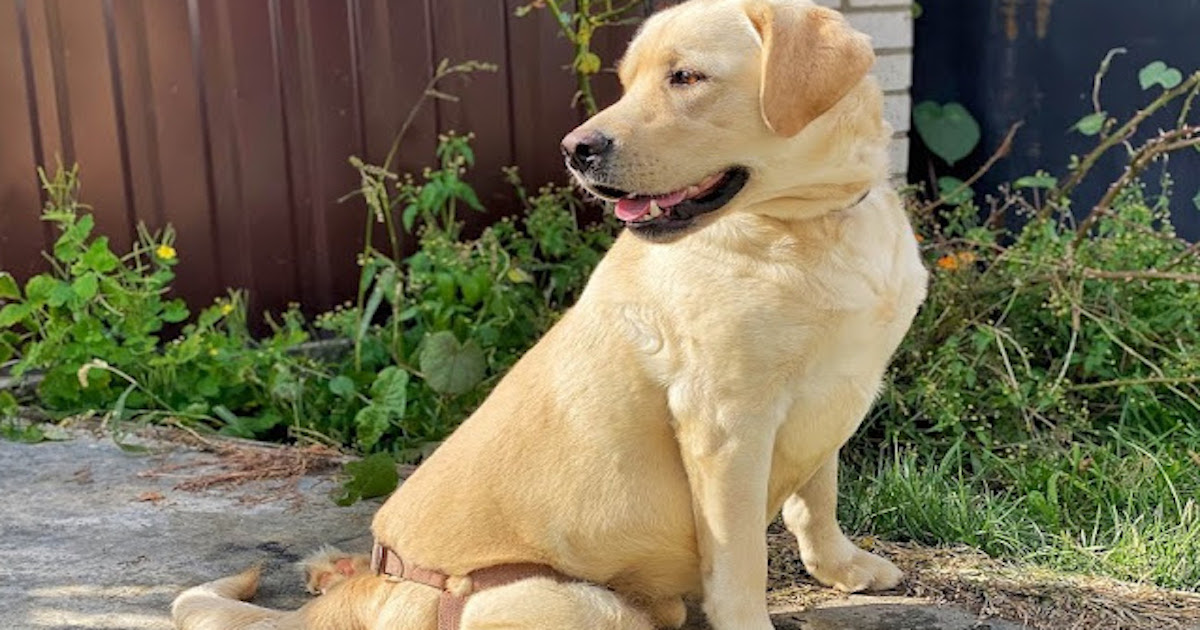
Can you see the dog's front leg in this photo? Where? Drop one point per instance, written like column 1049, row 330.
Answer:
column 728, row 463
column 811, row 514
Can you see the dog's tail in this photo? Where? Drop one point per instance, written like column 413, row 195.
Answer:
column 220, row 605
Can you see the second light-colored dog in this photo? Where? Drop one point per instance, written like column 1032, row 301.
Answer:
column 723, row 351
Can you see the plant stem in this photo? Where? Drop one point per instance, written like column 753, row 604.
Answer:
column 1001, row 151
column 1119, row 136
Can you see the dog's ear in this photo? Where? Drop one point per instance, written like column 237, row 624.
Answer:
column 811, row 59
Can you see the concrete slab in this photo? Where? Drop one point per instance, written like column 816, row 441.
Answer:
column 79, row 549
column 87, row 543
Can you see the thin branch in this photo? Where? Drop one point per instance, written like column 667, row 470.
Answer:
column 1163, row 144
column 1001, row 151
column 1124, row 132
column 1192, row 250
column 1148, row 274
column 1099, row 78
column 1150, row 380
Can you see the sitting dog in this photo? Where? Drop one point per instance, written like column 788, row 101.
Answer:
column 721, row 354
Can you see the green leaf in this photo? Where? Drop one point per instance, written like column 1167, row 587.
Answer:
column 385, row 282
column 12, row 314
column 949, row 130
column 409, row 217
column 588, row 63
column 26, row 434
column 1159, row 73
column 952, row 190
column 175, row 311
column 99, row 257
column 38, row 289
column 450, row 367
column 249, row 427
column 467, row 194
column 342, row 385
column 8, row 287
column 390, row 390
column 475, row 287
column 85, row 286
column 118, row 410
column 370, row 423
column 60, row 294
column 1091, row 124
column 8, row 404
column 372, row 476
column 1040, row 180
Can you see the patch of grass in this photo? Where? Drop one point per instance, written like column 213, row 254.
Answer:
column 1121, row 503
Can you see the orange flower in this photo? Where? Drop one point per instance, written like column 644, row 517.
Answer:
column 917, row 235
column 948, row 262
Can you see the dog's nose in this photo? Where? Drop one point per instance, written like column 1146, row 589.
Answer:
column 585, row 149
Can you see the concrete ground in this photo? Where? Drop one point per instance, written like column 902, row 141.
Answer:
column 89, row 540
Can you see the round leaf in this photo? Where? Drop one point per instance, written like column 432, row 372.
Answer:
column 949, row 130
column 1159, row 73
column 588, row 63
column 342, row 385
column 1091, row 124
column 450, row 367
column 953, row 190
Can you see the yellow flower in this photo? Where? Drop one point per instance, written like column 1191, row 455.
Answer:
column 226, row 308
column 948, row 262
column 212, row 352
column 165, row 252
column 966, row 258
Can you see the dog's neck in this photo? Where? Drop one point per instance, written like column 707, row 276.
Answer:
column 838, row 158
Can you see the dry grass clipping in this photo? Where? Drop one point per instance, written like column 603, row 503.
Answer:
column 235, row 463
column 1037, row 597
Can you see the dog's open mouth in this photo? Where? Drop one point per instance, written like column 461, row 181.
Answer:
column 662, row 214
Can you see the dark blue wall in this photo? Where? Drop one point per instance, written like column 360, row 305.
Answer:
column 1033, row 60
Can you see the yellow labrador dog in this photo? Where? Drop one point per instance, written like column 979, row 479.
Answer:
column 723, row 351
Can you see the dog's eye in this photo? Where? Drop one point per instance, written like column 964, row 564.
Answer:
column 686, row 77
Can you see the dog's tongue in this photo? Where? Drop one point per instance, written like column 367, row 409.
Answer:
column 633, row 209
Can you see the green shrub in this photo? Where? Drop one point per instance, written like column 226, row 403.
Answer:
column 1062, row 324
column 429, row 334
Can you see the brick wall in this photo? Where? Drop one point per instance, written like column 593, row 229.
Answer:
column 889, row 23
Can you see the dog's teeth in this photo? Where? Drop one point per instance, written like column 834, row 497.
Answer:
column 691, row 191
column 655, row 211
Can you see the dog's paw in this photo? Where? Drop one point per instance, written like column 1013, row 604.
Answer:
column 853, row 570
column 329, row 566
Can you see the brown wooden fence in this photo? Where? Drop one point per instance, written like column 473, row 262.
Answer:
column 233, row 120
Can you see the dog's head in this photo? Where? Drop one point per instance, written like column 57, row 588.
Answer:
column 720, row 100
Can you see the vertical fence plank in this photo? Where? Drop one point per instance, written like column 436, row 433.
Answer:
column 85, row 78
column 396, row 60
column 174, row 147
column 21, row 231
column 477, row 30
column 542, row 92
column 322, row 113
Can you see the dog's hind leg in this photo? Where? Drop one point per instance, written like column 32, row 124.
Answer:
column 329, row 566
column 544, row 604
